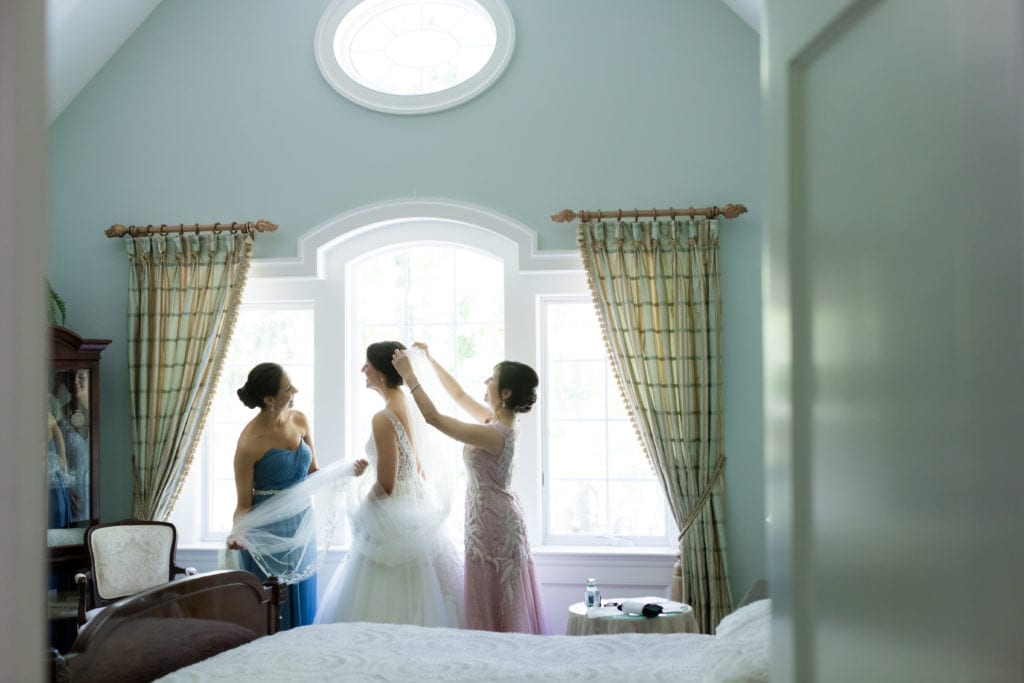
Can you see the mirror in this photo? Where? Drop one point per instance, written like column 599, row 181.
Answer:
column 67, row 448
column 72, row 436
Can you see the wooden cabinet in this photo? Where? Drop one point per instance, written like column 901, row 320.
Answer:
column 72, row 465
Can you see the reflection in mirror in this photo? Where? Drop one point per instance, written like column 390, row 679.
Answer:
column 67, row 449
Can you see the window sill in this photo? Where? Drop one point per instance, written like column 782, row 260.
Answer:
column 632, row 555
column 633, row 550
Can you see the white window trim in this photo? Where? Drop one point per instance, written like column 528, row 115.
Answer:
column 529, row 273
column 323, row 50
column 343, row 238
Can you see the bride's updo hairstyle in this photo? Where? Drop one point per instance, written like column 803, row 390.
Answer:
column 379, row 355
column 522, row 381
column 263, row 380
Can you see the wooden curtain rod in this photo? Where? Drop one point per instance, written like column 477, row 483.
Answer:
column 118, row 230
column 728, row 211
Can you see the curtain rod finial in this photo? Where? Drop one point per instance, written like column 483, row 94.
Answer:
column 564, row 216
column 265, row 226
column 116, row 230
column 733, row 210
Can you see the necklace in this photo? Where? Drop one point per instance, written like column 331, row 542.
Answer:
column 78, row 418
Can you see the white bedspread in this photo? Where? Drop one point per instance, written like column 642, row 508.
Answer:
column 389, row 652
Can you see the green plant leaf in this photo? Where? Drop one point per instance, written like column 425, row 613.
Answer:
column 55, row 306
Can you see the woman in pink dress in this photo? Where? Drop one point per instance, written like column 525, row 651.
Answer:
column 501, row 587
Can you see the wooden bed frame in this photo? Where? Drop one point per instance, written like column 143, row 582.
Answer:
column 162, row 629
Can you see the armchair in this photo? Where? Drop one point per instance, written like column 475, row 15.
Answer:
column 125, row 558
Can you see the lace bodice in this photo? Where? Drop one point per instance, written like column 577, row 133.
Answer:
column 407, row 473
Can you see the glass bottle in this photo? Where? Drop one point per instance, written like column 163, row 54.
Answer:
column 592, row 597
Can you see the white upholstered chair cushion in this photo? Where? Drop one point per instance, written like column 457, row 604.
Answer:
column 129, row 559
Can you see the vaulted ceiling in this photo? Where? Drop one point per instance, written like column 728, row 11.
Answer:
column 81, row 35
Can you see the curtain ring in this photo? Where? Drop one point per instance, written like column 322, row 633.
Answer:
column 620, row 215
column 636, row 215
column 181, row 229
column 215, row 230
column 599, row 214
column 655, row 212
column 197, row 230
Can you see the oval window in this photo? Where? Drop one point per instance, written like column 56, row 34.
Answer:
column 413, row 56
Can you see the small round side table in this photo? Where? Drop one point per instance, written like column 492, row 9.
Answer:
column 672, row 622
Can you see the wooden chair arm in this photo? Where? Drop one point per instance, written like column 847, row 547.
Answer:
column 277, row 598
column 82, row 579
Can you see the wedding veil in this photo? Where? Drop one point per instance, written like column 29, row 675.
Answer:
column 399, row 528
column 288, row 534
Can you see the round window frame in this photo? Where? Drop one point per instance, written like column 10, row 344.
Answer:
column 323, row 49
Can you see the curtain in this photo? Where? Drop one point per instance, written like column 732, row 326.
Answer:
column 656, row 289
column 183, row 298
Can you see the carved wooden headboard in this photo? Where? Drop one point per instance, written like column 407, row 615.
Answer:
column 170, row 626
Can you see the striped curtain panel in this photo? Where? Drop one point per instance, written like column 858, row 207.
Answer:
column 183, row 299
column 656, row 289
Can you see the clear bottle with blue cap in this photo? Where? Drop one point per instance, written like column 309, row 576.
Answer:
column 592, row 597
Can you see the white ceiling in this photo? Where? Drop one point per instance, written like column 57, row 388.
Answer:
column 81, row 35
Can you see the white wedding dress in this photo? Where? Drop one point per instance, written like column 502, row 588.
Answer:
column 401, row 568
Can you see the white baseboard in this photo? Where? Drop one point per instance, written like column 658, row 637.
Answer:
column 562, row 574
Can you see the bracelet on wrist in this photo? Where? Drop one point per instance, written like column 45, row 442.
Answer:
column 412, row 389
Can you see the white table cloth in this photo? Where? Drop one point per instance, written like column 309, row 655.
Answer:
column 580, row 624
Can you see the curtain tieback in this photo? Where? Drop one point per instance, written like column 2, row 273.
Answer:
column 705, row 497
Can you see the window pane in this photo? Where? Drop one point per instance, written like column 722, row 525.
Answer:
column 576, row 448
column 579, row 507
column 584, row 341
column 577, row 388
column 416, row 47
column 631, row 518
column 626, row 459
column 277, row 333
column 600, row 485
column 450, row 298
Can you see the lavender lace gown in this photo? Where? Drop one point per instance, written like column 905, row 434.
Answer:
column 501, row 587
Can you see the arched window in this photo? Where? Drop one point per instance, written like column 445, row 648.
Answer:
column 472, row 285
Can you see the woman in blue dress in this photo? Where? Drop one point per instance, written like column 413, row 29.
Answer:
column 56, row 467
column 275, row 453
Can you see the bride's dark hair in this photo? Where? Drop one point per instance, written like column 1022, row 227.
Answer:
column 379, row 354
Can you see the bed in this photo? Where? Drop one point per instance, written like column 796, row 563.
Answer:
column 218, row 627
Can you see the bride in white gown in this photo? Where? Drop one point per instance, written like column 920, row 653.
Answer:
column 401, row 567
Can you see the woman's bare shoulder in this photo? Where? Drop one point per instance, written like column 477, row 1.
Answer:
column 382, row 418
column 250, row 446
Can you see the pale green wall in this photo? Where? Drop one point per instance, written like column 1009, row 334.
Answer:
column 215, row 110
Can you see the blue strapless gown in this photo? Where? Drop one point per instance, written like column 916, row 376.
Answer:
column 60, row 499
column 280, row 469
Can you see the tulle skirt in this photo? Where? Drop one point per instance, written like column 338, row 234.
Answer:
column 401, row 569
